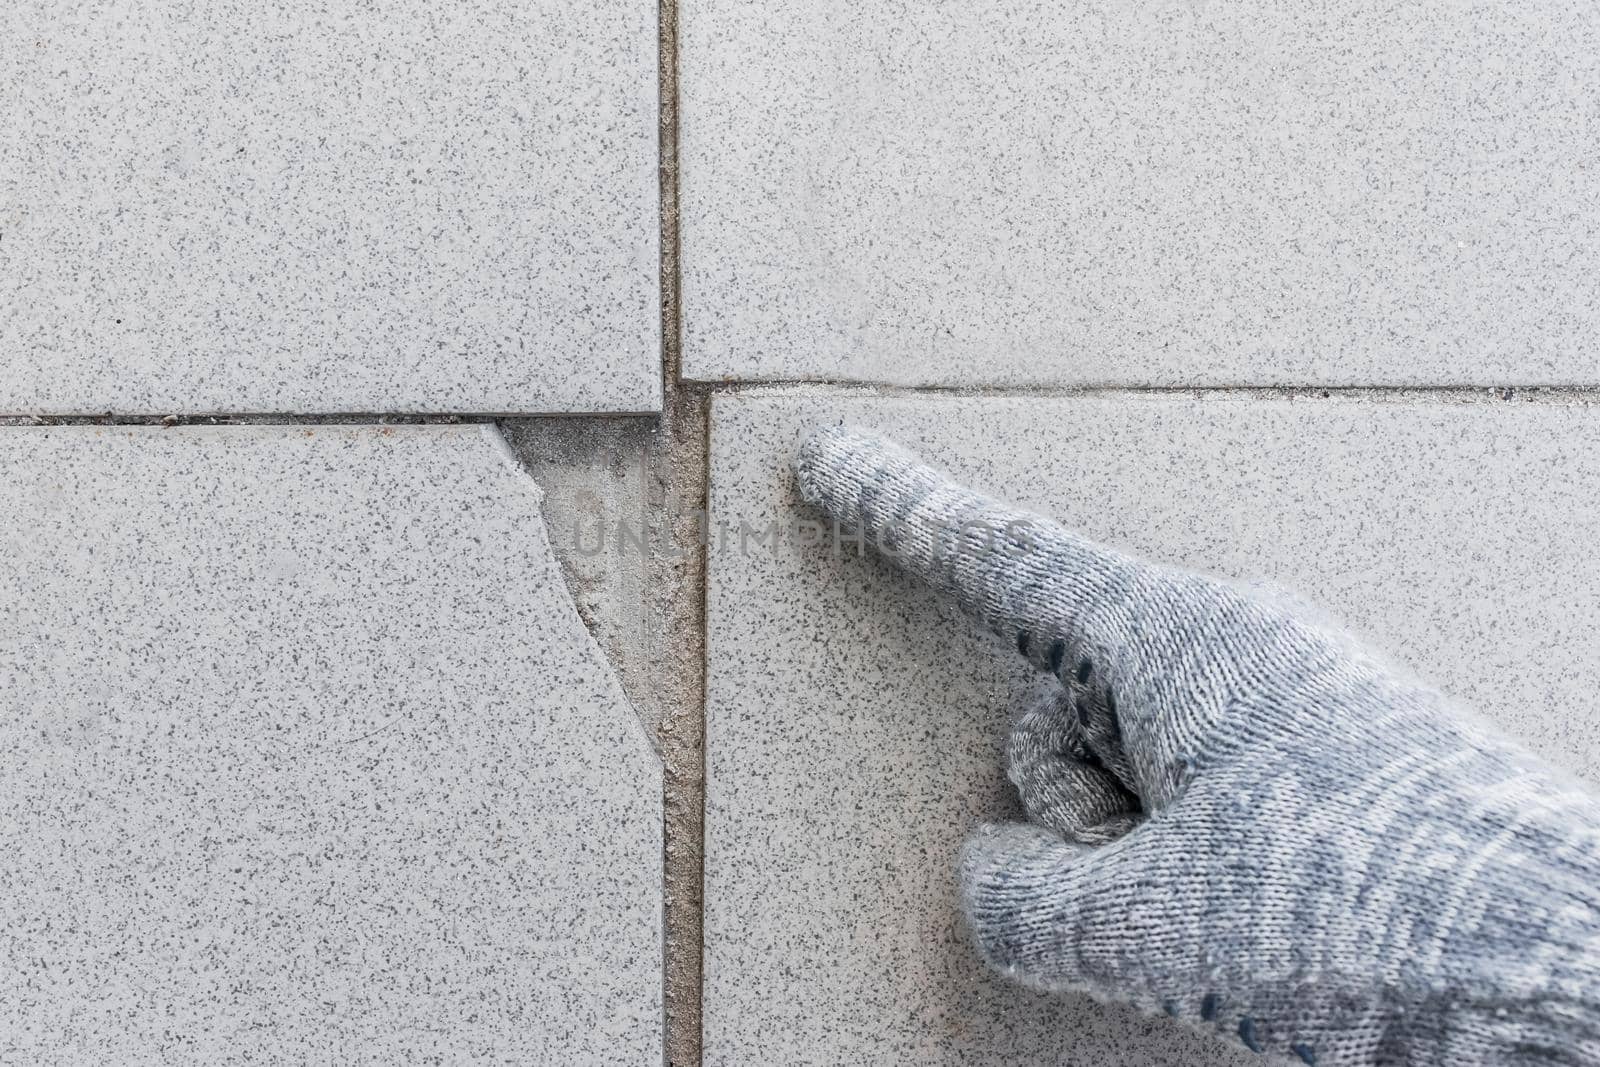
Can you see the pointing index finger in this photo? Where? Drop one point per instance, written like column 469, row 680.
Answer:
column 1024, row 576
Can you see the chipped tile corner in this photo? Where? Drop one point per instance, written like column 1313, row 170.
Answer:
column 275, row 703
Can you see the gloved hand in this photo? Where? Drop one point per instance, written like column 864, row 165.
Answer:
column 1238, row 816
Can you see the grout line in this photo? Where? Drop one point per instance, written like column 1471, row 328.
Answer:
column 673, row 384
column 678, row 648
column 676, row 605
column 370, row 418
column 1527, row 394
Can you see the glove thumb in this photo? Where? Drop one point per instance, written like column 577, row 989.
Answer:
column 1048, row 912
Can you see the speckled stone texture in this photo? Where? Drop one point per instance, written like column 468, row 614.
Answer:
column 1179, row 192
column 328, row 207
column 306, row 757
column 855, row 721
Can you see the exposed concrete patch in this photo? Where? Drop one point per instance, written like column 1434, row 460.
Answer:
column 593, row 473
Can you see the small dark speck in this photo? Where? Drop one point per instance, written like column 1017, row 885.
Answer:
column 1247, row 1034
column 1208, row 1007
column 119, row 322
column 1305, row 1054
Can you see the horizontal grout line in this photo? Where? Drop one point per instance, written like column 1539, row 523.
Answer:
column 813, row 388
column 382, row 418
column 1562, row 394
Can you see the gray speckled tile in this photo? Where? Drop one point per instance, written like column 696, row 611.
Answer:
column 1185, row 191
column 854, row 720
column 331, row 207
column 306, row 758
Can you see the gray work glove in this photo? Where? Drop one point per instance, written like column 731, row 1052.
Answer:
column 1239, row 817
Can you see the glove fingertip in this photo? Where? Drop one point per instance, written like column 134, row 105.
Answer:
column 829, row 460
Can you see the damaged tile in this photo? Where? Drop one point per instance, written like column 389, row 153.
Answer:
column 306, row 757
column 855, row 720
column 386, row 206
column 1016, row 192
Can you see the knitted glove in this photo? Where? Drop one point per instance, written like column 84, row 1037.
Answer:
column 1238, row 816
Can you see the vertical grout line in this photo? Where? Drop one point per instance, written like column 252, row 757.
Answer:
column 677, row 605
column 667, row 168
column 678, row 637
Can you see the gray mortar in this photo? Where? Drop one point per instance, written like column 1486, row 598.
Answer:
column 677, row 604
